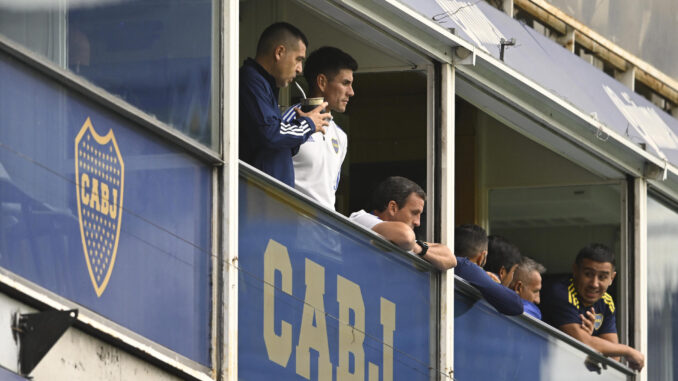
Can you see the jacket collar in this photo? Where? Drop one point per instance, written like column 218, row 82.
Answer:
column 263, row 72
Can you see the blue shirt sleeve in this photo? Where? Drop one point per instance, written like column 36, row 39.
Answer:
column 502, row 298
column 531, row 309
column 266, row 124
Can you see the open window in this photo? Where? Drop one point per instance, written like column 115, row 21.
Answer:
column 545, row 203
column 388, row 119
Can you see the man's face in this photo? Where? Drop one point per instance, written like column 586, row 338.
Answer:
column 288, row 63
column 338, row 90
column 531, row 287
column 591, row 279
column 410, row 213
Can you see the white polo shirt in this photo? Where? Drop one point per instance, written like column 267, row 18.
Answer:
column 365, row 219
column 317, row 165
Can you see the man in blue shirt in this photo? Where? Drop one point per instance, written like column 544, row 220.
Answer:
column 266, row 142
column 470, row 247
column 527, row 284
column 564, row 302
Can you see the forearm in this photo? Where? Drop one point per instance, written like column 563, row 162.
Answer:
column 277, row 134
column 439, row 256
column 609, row 346
column 398, row 233
column 605, row 347
column 267, row 125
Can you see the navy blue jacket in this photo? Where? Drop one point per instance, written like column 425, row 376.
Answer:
column 266, row 142
column 502, row 298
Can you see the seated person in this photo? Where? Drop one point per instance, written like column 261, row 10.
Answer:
column 397, row 207
column 503, row 258
column 527, row 284
column 470, row 246
column 565, row 300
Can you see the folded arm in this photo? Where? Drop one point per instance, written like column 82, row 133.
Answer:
column 607, row 344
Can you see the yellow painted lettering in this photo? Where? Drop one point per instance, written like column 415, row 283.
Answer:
column 84, row 184
column 314, row 335
column 388, row 322
column 372, row 372
column 276, row 258
column 95, row 195
column 113, row 211
column 104, row 199
column 351, row 337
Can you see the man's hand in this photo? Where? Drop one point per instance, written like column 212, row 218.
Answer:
column 588, row 321
column 319, row 118
column 635, row 358
column 506, row 280
column 494, row 277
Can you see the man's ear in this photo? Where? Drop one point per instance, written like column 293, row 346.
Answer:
column 279, row 52
column 518, row 286
column 481, row 258
column 502, row 272
column 392, row 208
column 321, row 82
column 614, row 273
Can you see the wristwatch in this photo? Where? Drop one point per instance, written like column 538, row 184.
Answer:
column 424, row 247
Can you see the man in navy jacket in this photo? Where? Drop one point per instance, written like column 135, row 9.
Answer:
column 470, row 247
column 266, row 142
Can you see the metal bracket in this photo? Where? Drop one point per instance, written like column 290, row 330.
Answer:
column 37, row 333
column 463, row 56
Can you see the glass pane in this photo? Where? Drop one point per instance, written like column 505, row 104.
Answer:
column 551, row 224
column 103, row 213
column 662, row 291
column 156, row 55
column 317, row 295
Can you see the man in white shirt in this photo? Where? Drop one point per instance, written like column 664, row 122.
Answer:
column 397, row 205
column 317, row 164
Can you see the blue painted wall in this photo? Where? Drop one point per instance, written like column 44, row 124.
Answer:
column 294, row 242
column 159, row 286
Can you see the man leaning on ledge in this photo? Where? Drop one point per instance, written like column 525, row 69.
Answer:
column 565, row 301
column 397, row 205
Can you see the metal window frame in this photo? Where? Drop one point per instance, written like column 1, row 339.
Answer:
column 227, row 220
column 108, row 101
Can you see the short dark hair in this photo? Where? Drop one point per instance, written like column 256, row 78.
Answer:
column 469, row 240
column 596, row 252
column 280, row 33
column 394, row 188
column 501, row 253
column 329, row 61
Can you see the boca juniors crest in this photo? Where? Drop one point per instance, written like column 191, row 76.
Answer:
column 99, row 179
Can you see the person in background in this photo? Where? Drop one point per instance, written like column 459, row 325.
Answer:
column 565, row 300
column 503, row 258
column 266, row 142
column 317, row 164
column 470, row 246
column 527, row 284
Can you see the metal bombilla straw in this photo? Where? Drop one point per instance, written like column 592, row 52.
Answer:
column 303, row 94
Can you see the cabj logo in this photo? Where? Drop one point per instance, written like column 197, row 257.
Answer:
column 99, row 179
